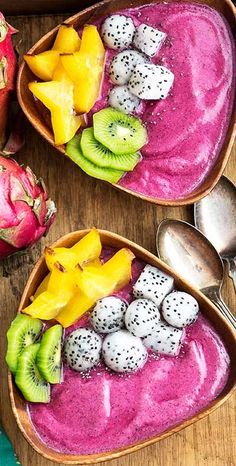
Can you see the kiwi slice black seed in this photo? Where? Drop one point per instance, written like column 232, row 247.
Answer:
column 28, row 378
column 73, row 150
column 98, row 154
column 49, row 355
column 121, row 133
column 23, row 331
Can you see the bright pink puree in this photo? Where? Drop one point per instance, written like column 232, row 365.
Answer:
column 187, row 129
column 103, row 411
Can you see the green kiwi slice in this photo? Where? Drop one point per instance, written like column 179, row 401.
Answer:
column 23, row 331
column 28, row 378
column 73, row 150
column 48, row 358
column 98, row 154
column 121, row 133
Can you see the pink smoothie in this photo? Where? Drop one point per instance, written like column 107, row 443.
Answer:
column 187, row 129
column 100, row 411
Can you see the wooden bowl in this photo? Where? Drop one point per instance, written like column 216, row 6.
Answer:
column 208, row 309
column 90, row 15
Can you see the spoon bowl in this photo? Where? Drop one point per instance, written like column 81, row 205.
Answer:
column 190, row 253
column 90, row 15
column 215, row 216
column 19, row 405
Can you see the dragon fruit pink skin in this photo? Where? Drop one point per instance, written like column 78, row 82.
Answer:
column 8, row 69
column 26, row 213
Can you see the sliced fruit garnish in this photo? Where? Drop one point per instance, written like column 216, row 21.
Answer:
column 78, row 305
column 46, row 306
column 96, row 283
column 57, row 96
column 28, row 379
column 121, row 133
column 78, row 66
column 91, row 43
column 61, row 288
column 111, row 277
column 53, row 94
column 60, row 73
column 53, row 255
column 23, row 332
column 64, row 125
column 43, row 286
column 85, row 69
column 73, row 150
column 61, row 282
column 84, row 252
column 86, row 93
column 49, row 355
column 98, row 154
column 88, row 249
column 67, row 40
column 43, row 64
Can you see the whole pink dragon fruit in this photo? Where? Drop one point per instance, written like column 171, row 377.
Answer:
column 26, row 213
column 11, row 139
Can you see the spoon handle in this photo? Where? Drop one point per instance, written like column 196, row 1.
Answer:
column 220, row 304
column 232, row 270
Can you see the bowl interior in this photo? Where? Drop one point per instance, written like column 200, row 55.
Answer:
column 90, row 15
column 220, row 324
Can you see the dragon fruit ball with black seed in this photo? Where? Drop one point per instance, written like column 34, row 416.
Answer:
column 150, row 82
column 108, row 315
column 148, row 39
column 165, row 339
column 117, row 32
column 123, row 64
column 153, row 284
column 141, row 317
column 123, row 352
column 82, row 349
column 180, row 309
column 121, row 98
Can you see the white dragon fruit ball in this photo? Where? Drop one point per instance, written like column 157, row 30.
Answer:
column 180, row 309
column 148, row 39
column 121, row 98
column 164, row 340
column 108, row 315
column 82, row 349
column 150, row 82
column 153, row 284
column 123, row 64
column 123, row 352
column 141, row 317
column 117, row 32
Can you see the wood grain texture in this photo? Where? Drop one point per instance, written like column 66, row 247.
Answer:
column 83, row 202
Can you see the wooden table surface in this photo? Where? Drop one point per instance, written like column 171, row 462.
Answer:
column 83, row 202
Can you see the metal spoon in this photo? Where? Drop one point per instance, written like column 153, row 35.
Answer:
column 188, row 251
column 215, row 216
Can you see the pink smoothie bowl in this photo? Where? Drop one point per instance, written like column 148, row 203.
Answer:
column 216, row 324
column 191, row 132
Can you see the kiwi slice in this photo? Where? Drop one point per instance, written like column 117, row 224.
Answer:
column 73, row 150
column 23, row 331
column 28, row 378
column 48, row 359
column 98, row 154
column 121, row 133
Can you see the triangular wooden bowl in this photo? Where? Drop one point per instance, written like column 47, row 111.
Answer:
column 90, row 15
column 207, row 308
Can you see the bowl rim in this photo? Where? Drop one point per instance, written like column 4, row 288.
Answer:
column 210, row 180
column 19, row 405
